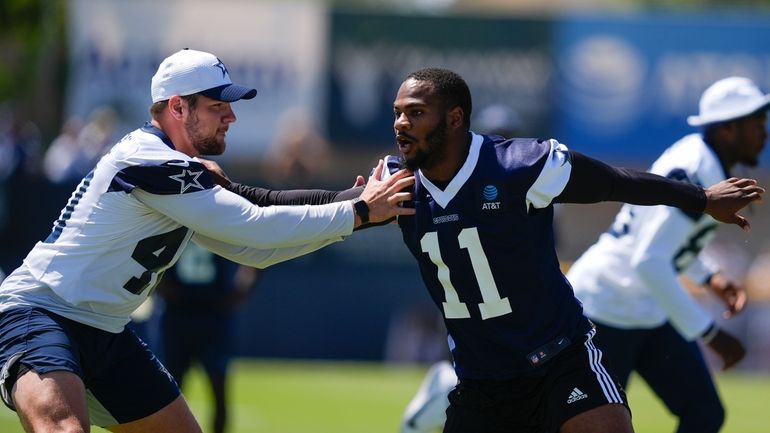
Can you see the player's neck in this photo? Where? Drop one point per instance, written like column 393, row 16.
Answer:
column 177, row 137
column 454, row 156
column 724, row 155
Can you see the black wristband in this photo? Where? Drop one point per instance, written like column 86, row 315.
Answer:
column 709, row 333
column 362, row 209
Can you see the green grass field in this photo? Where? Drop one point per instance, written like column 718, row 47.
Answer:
column 326, row 397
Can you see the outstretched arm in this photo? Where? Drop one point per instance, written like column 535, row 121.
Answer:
column 593, row 181
column 268, row 197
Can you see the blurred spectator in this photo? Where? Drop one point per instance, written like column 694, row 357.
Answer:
column 498, row 119
column 299, row 154
column 416, row 334
column 61, row 154
column 76, row 150
column 199, row 296
column 19, row 183
column 19, row 145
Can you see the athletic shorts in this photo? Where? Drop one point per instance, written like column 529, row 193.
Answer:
column 573, row 382
column 124, row 381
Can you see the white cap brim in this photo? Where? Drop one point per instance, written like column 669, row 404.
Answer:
column 760, row 105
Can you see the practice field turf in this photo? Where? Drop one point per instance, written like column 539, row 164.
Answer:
column 331, row 397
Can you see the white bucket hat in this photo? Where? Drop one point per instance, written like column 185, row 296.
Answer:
column 189, row 71
column 728, row 99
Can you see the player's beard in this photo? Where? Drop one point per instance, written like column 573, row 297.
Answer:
column 205, row 145
column 750, row 161
column 433, row 154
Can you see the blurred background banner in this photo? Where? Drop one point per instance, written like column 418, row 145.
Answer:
column 505, row 61
column 615, row 86
column 625, row 84
column 277, row 47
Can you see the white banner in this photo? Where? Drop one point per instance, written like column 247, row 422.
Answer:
column 277, row 47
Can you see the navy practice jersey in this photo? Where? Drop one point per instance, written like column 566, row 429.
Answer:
column 485, row 248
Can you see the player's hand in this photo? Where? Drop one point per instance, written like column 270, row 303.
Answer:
column 384, row 197
column 726, row 198
column 360, row 181
column 216, row 171
column 728, row 348
column 732, row 294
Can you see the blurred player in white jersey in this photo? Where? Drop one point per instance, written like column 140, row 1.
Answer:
column 628, row 281
column 67, row 359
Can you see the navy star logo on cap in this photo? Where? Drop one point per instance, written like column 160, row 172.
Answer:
column 188, row 179
column 221, row 66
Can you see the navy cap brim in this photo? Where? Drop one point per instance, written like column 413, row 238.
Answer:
column 230, row 93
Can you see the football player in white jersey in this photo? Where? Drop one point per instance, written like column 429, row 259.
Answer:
column 628, row 281
column 67, row 359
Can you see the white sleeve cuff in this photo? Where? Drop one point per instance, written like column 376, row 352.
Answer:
column 553, row 177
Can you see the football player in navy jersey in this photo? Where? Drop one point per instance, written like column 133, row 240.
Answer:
column 629, row 283
column 483, row 239
column 66, row 358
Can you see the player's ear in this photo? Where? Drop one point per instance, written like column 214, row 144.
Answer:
column 455, row 117
column 175, row 104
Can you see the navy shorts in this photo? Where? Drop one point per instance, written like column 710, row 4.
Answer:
column 124, row 381
column 573, row 382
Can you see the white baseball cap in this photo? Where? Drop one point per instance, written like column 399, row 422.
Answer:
column 189, row 71
column 727, row 99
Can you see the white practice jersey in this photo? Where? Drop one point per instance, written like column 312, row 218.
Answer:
column 129, row 220
column 629, row 278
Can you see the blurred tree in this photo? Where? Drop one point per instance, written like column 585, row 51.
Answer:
column 32, row 60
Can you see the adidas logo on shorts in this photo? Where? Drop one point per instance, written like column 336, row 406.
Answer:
column 576, row 395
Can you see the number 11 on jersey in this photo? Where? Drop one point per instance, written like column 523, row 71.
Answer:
column 493, row 305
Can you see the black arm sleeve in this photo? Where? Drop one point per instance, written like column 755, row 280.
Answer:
column 269, row 197
column 592, row 181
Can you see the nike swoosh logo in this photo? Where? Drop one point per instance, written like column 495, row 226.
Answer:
column 178, row 163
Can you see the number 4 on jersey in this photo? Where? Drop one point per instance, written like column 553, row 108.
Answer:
column 154, row 254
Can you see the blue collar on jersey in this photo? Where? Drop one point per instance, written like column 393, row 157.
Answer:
column 154, row 130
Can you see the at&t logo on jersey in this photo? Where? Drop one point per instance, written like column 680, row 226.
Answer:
column 490, row 193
